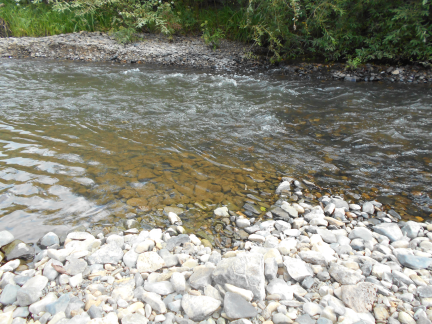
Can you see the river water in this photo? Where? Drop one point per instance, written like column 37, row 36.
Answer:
column 94, row 144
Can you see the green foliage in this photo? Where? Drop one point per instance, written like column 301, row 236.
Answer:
column 40, row 20
column 353, row 64
column 152, row 15
column 339, row 29
column 335, row 30
column 125, row 35
column 212, row 37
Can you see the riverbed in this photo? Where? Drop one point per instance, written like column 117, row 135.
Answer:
column 96, row 143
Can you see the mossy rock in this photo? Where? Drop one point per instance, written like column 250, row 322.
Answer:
column 18, row 250
column 206, row 243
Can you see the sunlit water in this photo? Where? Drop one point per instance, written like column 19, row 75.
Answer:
column 92, row 143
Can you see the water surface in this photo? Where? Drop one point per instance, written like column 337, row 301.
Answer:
column 96, row 143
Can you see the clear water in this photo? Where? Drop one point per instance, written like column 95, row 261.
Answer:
column 91, row 143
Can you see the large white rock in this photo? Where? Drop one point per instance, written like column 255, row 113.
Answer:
column 360, row 297
column 343, row 275
column 297, row 269
column 246, row 271
column 199, row 307
column 149, row 262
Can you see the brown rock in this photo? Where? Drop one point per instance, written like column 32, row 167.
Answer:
column 136, row 202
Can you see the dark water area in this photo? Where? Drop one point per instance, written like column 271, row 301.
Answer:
column 93, row 144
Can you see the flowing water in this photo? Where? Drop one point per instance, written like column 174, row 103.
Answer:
column 94, row 144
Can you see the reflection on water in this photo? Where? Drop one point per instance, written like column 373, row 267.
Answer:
column 95, row 143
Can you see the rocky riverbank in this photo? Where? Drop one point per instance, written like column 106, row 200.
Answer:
column 335, row 262
column 193, row 52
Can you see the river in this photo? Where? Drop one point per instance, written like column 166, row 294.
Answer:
column 94, row 144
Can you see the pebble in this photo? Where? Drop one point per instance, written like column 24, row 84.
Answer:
column 303, row 268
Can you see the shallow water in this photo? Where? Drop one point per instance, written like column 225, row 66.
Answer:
column 91, row 143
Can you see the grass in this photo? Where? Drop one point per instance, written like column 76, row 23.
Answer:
column 40, row 20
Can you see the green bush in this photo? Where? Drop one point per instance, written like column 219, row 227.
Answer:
column 395, row 30
column 349, row 30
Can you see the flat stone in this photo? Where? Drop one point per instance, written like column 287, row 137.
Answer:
column 305, row 319
column 256, row 238
column 177, row 241
column 75, row 266
column 10, row 266
column 17, row 249
column 235, row 306
column 312, row 309
column 201, row 277
column 424, row 291
column 362, row 233
column 59, row 305
column 149, row 262
column 153, row 299
column 210, row 291
column 239, row 321
column 279, row 318
column 9, row 294
column 130, row 259
column 6, row 318
column 270, row 268
column 174, row 219
column 74, row 305
column 59, row 255
column 283, row 186
column 405, row 318
column 83, row 318
column 414, row 262
column 297, row 269
column 161, row 287
column 339, row 203
column 381, row 313
column 49, row 239
column 96, row 312
column 109, row 253
column 246, row 271
column 280, row 213
column 411, row 229
column 179, row 282
column 134, row 319
column 116, row 239
column 323, row 320
column 289, row 209
column 280, row 287
column 242, row 222
column 31, row 291
column 287, row 245
column 21, row 312
column 360, row 297
column 246, row 294
column 368, row 207
column 75, row 281
column 197, row 308
column 343, row 275
column 49, row 270
column 39, row 306
column 391, row 230
column 6, row 238
column 221, row 212
column 313, row 257
column 327, row 236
